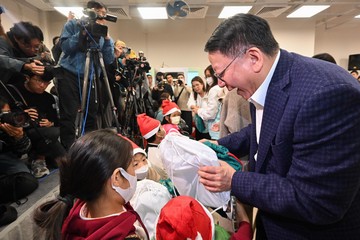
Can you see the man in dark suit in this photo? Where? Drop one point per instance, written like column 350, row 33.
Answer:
column 304, row 140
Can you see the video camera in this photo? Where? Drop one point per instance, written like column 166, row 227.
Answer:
column 16, row 119
column 138, row 63
column 89, row 22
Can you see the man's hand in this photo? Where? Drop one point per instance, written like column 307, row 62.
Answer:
column 33, row 113
column 36, row 67
column 45, row 123
column 217, row 179
column 15, row 132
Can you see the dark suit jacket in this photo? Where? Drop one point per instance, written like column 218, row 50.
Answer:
column 306, row 179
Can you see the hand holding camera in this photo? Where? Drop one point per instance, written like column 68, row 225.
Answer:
column 33, row 113
column 12, row 131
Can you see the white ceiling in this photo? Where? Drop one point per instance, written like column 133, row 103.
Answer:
column 340, row 12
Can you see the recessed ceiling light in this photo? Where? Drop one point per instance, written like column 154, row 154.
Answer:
column 78, row 11
column 229, row 11
column 153, row 12
column 358, row 16
column 307, row 11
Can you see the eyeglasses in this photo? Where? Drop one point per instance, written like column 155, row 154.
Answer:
column 42, row 82
column 30, row 47
column 221, row 74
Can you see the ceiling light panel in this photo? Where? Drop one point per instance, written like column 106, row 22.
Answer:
column 229, row 11
column 307, row 11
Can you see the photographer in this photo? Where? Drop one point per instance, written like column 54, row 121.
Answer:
column 75, row 39
column 161, row 87
column 16, row 47
column 182, row 94
column 44, row 132
column 16, row 182
column 116, row 75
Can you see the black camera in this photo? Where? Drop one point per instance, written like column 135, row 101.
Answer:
column 161, row 84
column 16, row 119
column 94, row 29
column 141, row 66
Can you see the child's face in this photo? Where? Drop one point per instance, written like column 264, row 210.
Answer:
column 139, row 160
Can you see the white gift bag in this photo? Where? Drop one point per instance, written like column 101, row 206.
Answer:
column 182, row 158
column 148, row 200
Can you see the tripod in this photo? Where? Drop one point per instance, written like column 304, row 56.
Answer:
column 94, row 55
column 134, row 105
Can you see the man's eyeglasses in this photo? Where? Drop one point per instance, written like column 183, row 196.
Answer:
column 30, row 47
column 221, row 74
column 41, row 82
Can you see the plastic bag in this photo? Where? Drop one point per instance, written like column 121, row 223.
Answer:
column 182, row 158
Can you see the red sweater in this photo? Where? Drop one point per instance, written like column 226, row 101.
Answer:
column 112, row 227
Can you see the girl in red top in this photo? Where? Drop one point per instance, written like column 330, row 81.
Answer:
column 99, row 173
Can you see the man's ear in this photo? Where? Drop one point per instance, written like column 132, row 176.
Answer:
column 256, row 58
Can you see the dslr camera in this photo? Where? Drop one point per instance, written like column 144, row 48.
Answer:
column 16, row 119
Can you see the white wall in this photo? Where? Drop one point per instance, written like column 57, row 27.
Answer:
column 180, row 43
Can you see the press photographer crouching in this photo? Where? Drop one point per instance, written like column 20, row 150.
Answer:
column 78, row 38
column 44, row 129
column 16, row 181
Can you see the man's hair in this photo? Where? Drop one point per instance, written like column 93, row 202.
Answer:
column 96, row 5
column 26, row 31
column 325, row 56
column 241, row 32
column 54, row 39
column 354, row 71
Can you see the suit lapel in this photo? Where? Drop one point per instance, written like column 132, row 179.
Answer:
column 275, row 102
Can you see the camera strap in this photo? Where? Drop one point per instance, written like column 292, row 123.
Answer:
column 18, row 93
column 177, row 98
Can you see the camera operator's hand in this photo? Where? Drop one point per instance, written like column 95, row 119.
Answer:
column 33, row 113
column 36, row 67
column 45, row 123
column 15, row 132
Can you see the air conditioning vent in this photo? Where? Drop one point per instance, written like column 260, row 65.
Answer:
column 272, row 11
column 121, row 12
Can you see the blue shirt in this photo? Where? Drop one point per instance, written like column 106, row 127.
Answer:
column 74, row 59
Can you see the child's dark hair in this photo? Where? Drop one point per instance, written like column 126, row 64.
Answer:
column 88, row 165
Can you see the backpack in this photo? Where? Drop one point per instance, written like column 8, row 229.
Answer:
column 15, row 187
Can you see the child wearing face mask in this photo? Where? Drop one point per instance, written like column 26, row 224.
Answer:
column 172, row 116
column 143, row 167
column 153, row 132
column 97, row 180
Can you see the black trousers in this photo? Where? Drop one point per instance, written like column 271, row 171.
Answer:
column 45, row 142
column 70, row 90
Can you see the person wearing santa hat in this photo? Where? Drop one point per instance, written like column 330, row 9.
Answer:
column 172, row 116
column 153, row 132
column 143, row 167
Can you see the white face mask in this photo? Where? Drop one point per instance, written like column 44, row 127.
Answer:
column 141, row 173
column 175, row 120
column 209, row 81
column 126, row 194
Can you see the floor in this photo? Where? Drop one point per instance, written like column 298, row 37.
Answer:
column 23, row 227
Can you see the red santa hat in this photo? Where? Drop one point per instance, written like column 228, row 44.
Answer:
column 136, row 148
column 169, row 107
column 148, row 126
column 184, row 217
